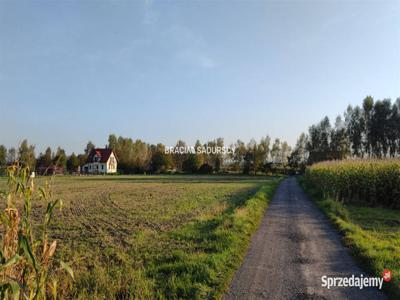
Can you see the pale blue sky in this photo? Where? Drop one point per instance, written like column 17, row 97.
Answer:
column 73, row 71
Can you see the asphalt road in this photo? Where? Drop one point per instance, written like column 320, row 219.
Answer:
column 293, row 248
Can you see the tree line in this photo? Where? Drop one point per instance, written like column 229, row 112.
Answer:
column 136, row 156
column 371, row 130
column 53, row 160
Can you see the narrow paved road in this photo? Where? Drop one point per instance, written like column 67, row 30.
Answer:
column 294, row 247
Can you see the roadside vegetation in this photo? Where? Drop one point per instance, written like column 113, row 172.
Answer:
column 371, row 233
column 152, row 237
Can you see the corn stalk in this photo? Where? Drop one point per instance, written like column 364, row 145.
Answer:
column 27, row 257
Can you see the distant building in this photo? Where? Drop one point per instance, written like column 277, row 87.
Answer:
column 100, row 161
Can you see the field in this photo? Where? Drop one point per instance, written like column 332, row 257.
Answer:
column 154, row 236
column 371, row 233
column 375, row 182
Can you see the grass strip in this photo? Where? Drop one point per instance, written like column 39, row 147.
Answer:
column 210, row 250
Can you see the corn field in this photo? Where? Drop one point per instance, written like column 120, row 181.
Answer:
column 372, row 181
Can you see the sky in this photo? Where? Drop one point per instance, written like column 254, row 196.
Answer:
column 74, row 71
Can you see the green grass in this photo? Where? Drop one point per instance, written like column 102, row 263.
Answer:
column 371, row 233
column 148, row 237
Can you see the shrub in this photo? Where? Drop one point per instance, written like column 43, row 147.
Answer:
column 190, row 164
column 205, row 169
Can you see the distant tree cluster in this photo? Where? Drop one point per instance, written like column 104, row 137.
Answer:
column 136, row 156
column 46, row 163
column 260, row 157
column 372, row 130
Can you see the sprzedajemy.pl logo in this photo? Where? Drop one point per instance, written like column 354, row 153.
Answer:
column 356, row 281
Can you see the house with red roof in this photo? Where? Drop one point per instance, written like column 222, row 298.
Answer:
column 100, row 161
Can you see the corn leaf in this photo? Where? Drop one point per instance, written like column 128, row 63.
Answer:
column 68, row 269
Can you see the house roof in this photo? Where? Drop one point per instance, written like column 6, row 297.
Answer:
column 103, row 153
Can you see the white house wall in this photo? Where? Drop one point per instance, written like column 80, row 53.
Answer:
column 109, row 168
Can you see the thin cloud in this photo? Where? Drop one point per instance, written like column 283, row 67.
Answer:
column 195, row 59
column 150, row 15
column 192, row 49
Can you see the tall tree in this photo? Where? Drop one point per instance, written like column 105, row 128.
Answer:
column 238, row 155
column 394, row 129
column 89, row 147
column 201, row 157
column 301, row 148
column 72, row 163
column 11, row 155
column 276, row 151
column 250, row 158
column 261, row 153
column 368, row 106
column 298, row 157
column 82, row 158
column 285, row 151
column 215, row 158
column 26, row 155
column 112, row 141
column 141, row 156
column 355, row 130
column 190, row 164
column 339, row 144
column 313, row 141
column 3, row 156
column 380, row 127
column 45, row 160
column 318, row 144
column 179, row 158
column 325, row 133
column 160, row 161
column 218, row 157
column 60, row 158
